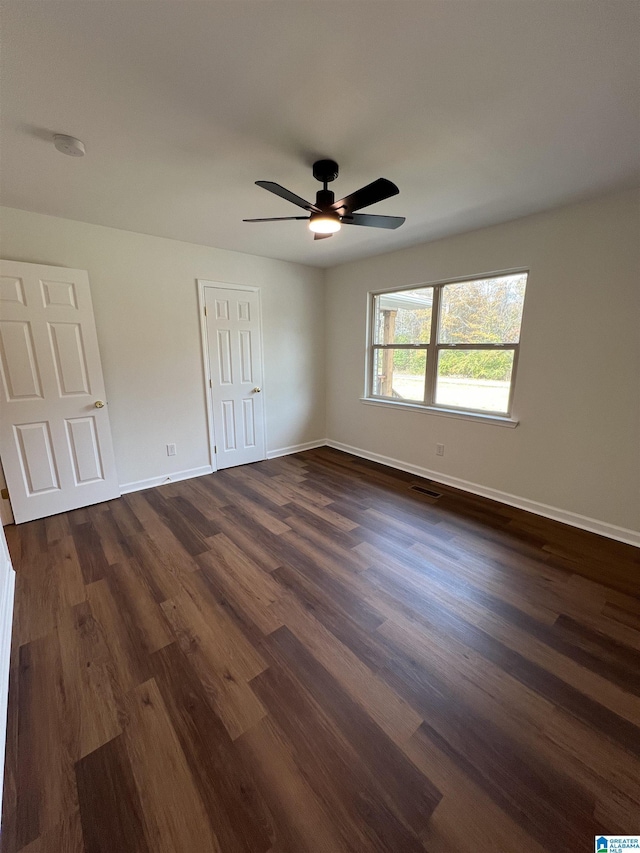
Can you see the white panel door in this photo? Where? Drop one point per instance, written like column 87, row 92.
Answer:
column 235, row 367
column 55, row 437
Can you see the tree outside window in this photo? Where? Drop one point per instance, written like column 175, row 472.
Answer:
column 452, row 345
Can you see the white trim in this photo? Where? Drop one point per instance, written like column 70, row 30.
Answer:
column 496, row 420
column 296, row 448
column 6, row 624
column 203, row 283
column 137, row 485
column 433, row 347
column 603, row 528
column 456, row 280
column 207, row 378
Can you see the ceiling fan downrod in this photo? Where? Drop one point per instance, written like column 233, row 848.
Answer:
column 325, row 171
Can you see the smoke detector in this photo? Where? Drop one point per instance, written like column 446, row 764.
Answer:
column 68, row 145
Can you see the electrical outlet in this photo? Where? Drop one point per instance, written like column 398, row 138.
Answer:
column 439, row 449
column 171, row 450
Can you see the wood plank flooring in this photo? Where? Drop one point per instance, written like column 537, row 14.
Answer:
column 306, row 656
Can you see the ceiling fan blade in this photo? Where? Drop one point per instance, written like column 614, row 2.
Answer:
column 373, row 221
column 372, row 193
column 276, row 219
column 287, row 195
column 321, row 236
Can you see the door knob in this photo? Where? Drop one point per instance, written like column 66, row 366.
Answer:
column 98, row 404
column 256, row 390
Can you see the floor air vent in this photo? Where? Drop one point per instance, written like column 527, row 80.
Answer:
column 424, row 491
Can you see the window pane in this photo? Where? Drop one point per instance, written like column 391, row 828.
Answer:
column 486, row 311
column 474, row 379
column 403, row 317
column 399, row 374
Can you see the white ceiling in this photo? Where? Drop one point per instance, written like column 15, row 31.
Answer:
column 480, row 111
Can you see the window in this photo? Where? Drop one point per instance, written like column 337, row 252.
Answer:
column 448, row 346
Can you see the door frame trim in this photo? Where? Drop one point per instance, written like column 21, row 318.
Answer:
column 202, row 284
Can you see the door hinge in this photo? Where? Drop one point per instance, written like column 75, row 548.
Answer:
column 205, row 310
column 210, row 384
column 4, row 494
column 215, row 448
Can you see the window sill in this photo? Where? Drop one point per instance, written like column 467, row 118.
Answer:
column 496, row 420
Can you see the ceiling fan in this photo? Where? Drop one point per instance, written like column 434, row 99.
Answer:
column 327, row 216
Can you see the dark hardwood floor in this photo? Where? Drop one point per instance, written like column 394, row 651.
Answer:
column 306, row 655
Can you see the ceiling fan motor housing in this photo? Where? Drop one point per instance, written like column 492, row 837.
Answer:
column 325, row 171
column 324, row 199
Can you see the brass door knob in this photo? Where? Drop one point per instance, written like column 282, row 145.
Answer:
column 98, row 404
column 256, row 390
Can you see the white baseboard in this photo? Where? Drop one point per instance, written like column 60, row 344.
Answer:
column 8, row 581
column 296, row 448
column 612, row 531
column 583, row 522
column 138, row 485
column 151, row 482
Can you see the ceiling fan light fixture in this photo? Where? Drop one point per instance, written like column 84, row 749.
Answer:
column 323, row 223
column 327, row 215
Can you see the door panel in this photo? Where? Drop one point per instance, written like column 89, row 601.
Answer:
column 11, row 289
column 225, row 359
column 59, row 293
column 245, row 356
column 222, row 309
column 69, row 359
column 248, row 410
column 19, row 369
column 36, row 457
column 55, row 444
column 234, row 354
column 228, row 425
column 85, row 452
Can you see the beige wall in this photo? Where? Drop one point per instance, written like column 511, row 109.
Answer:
column 577, row 447
column 145, row 300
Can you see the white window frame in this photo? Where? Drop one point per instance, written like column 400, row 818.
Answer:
column 433, row 348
